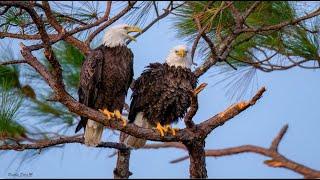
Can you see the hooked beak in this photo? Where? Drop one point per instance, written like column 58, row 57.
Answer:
column 133, row 29
column 182, row 53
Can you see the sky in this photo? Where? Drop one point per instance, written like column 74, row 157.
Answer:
column 291, row 98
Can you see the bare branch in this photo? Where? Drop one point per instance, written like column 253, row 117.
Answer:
column 46, row 143
column 108, row 9
column 276, row 141
column 165, row 145
column 12, row 62
column 219, row 119
column 23, row 36
column 278, row 160
column 57, row 26
column 155, row 8
column 194, row 106
column 163, row 15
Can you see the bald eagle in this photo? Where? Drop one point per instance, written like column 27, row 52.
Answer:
column 105, row 77
column 161, row 95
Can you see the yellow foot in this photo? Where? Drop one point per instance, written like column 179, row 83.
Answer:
column 161, row 129
column 173, row 130
column 199, row 88
column 106, row 113
column 117, row 114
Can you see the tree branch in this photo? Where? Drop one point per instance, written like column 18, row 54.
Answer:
column 278, row 160
column 183, row 135
column 12, row 62
column 219, row 119
column 283, row 24
column 158, row 18
column 46, row 143
column 57, row 26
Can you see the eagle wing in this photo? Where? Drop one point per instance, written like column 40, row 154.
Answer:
column 143, row 88
column 162, row 92
column 90, row 77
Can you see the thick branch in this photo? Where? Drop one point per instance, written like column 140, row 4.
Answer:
column 121, row 171
column 278, row 160
column 197, row 168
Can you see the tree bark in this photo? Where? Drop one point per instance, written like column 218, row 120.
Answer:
column 197, row 156
column 122, row 168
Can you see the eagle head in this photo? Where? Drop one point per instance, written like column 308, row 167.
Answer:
column 179, row 56
column 117, row 35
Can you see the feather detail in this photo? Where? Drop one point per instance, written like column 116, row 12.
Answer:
column 132, row 141
column 93, row 133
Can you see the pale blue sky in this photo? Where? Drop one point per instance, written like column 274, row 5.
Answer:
column 291, row 97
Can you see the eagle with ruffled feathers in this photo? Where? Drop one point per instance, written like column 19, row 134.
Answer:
column 105, row 78
column 162, row 94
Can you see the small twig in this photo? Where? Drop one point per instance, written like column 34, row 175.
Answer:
column 194, row 106
column 155, row 8
column 158, row 18
column 276, row 141
column 251, row 9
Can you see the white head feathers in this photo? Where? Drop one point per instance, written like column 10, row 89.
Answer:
column 117, row 35
column 179, row 56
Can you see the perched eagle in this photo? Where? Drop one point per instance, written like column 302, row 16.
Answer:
column 161, row 95
column 105, row 77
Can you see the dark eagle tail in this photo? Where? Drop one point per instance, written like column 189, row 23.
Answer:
column 82, row 124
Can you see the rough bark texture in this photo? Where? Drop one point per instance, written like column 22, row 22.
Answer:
column 197, row 168
column 122, row 169
column 123, row 162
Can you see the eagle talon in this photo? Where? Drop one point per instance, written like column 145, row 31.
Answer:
column 173, row 130
column 107, row 113
column 117, row 114
column 161, row 129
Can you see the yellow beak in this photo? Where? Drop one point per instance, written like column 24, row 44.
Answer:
column 182, row 53
column 133, row 29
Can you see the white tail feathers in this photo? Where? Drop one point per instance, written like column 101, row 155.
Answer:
column 132, row 141
column 93, row 133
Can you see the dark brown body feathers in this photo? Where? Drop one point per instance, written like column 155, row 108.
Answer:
column 105, row 77
column 162, row 93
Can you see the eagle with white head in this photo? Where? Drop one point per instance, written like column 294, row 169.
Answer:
column 105, row 78
column 162, row 94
